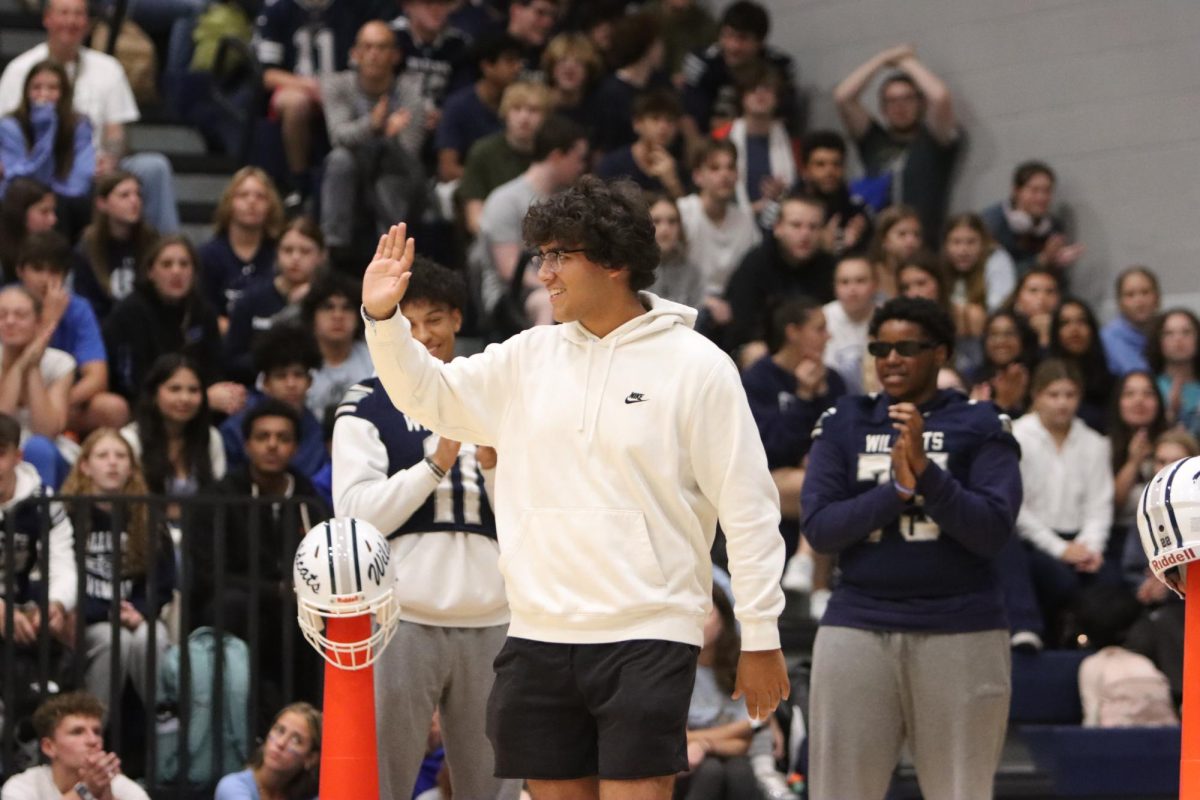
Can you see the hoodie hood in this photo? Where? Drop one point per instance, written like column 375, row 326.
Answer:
column 28, row 482
column 661, row 315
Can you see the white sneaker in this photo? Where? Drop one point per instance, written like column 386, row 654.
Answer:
column 798, row 574
column 817, row 602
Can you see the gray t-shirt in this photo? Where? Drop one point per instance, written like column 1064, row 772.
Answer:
column 500, row 223
column 711, row 706
column 330, row 382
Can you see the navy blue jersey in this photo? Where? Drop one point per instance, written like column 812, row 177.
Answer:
column 442, row 65
column 924, row 565
column 460, row 501
column 710, row 87
column 28, row 520
column 311, row 41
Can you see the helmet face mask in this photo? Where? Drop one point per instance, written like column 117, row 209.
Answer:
column 1169, row 521
column 343, row 581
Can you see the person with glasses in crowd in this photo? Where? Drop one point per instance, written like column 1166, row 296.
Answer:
column 286, row 765
column 916, row 490
column 604, row 543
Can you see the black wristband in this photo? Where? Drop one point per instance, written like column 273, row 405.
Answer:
column 434, row 468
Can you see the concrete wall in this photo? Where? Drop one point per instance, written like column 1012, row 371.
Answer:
column 1106, row 91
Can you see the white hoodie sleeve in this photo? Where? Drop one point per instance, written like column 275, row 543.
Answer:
column 731, row 468
column 361, row 486
column 463, row 400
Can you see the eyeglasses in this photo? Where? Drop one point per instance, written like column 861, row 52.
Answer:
column 552, row 259
column 291, row 742
column 906, row 348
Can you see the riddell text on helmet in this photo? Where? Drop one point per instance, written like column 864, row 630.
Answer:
column 1173, row 559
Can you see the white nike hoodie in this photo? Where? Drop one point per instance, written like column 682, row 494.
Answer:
column 617, row 456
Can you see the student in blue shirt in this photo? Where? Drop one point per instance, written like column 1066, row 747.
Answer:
column 41, row 267
column 917, row 491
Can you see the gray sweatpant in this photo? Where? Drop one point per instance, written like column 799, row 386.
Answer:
column 945, row 694
column 427, row 667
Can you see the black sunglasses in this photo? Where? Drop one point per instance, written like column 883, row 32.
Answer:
column 906, row 348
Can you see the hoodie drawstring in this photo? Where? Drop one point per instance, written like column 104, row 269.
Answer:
column 587, row 382
column 612, row 349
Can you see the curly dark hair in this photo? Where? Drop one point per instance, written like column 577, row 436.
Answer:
column 284, row 346
column 932, row 318
column 432, row 283
column 325, row 287
column 609, row 220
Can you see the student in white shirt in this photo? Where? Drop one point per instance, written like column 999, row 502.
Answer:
column 1068, row 483
column 848, row 317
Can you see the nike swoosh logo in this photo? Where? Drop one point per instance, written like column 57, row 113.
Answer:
column 635, row 398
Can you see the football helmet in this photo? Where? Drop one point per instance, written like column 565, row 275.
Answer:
column 1169, row 521
column 343, row 570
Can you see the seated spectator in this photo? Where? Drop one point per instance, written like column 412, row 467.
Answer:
column 471, row 113
column 376, row 123
column 102, row 95
column 677, row 278
column 35, row 381
column 70, row 731
column 847, row 318
column 497, row 158
column 823, row 176
column 1124, row 337
column 687, row 26
column 718, row 232
column 788, row 390
column 573, row 68
column 1173, row 351
column 531, row 22
column 298, row 44
column 916, row 145
column 1025, row 227
column 920, row 277
column 636, row 59
column 1137, row 417
column 789, row 263
column 270, row 431
column 301, row 255
column 1010, row 350
column 719, row 729
column 114, row 244
column 45, row 139
column 981, row 274
column 1035, row 298
column 559, row 158
column 1076, row 340
column 766, row 157
column 710, row 94
column 285, row 358
column 108, row 466
column 286, row 765
column 42, row 269
column 1068, row 491
column 1169, row 447
column 330, row 311
column 19, row 481
column 897, row 238
column 27, row 207
column 649, row 161
column 247, row 225
column 166, row 314
column 435, row 51
column 179, row 451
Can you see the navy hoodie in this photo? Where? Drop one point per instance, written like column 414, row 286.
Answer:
column 925, row 565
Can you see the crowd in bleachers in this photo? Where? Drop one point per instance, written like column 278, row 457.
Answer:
column 133, row 360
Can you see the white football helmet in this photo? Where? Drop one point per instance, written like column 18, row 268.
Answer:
column 1169, row 521
column 342, row 570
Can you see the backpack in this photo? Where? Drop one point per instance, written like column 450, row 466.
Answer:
column 1122, row 689
column 204, row 767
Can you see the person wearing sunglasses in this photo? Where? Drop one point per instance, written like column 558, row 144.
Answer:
column 624, row 435
column 916, row 490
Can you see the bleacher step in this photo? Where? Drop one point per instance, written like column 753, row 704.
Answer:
column 15, row 40
column 165, row 138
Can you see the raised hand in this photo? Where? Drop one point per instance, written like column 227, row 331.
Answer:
column 386, row 278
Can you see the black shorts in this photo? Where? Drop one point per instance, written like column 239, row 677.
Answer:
column 567, row 711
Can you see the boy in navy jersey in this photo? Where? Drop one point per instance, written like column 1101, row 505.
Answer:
column 427, row 494
column 917, row 491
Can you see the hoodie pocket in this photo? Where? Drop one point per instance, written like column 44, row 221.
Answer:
column 582, row 561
